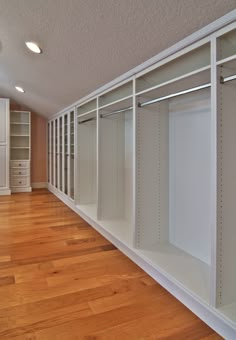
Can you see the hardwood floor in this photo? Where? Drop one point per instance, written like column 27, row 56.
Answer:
column 60, row 279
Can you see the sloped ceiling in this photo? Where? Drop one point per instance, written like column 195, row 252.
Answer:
column 87, row 43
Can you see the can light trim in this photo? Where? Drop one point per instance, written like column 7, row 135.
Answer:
column 32, row 46
column 20, row 89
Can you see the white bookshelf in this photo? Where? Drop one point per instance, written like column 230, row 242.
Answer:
column 20, row 151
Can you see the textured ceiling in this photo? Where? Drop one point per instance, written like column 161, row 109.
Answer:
column 87, row 43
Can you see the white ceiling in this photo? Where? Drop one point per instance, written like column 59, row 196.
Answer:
column 87, row 43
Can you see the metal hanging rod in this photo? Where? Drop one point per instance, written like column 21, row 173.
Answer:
column 115, row 112
column 176, row 94
column 87, row 120
column 226, row 79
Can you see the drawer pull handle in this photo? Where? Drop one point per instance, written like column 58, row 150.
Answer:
column 20, row 182
column 19, row 164
column 20, row 173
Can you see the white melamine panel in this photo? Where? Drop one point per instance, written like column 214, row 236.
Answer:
column 117, row 94
column 87, row 163
column 189, row 62
column 3, row 121
column 226, row 255
column 226, row 45
column 190, row 174
column 173, row 177
column 116, row 173
column 152, row 175
column 3, row 166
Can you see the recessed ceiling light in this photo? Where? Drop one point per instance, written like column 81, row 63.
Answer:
column 20, row 89
column 33, row 47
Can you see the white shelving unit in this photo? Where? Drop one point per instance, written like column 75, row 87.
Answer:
column 155, row 169
column 20, row 141
column 86, row 190
column 115, row 200
column 61, row 154
column 4, row 147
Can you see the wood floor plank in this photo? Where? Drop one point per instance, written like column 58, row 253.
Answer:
column 60, row 279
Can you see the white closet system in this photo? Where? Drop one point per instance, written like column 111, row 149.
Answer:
column 155, row 169
column 4, row 147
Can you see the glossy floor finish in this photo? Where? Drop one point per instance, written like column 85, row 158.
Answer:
column 60, row 279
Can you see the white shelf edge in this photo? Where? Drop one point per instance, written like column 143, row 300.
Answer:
column 225, row 60
column 115, row 102
column 16, row 123
column 173, row 80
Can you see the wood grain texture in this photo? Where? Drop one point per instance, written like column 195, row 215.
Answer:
column 60, row 279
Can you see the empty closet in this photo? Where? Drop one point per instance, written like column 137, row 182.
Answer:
column 154, row 169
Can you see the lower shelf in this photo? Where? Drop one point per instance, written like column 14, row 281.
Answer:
column 89, row 209
column 192, row 273
column 121, row 229
column 229, row 311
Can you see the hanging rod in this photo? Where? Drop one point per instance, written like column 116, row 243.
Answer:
column 226, row 79
column 176, row 94
column 115, row 112
column 87, row 120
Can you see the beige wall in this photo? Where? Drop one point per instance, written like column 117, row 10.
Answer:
column 38, row 145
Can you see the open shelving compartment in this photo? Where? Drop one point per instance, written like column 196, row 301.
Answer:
column 20, row 135
column 174, row 168
column 226, row 217
column 86, row 188
column 115, row 190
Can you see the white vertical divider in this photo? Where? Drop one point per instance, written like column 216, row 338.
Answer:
column 76, row 168
column 98, row 200
column 68, row 156
column 134, row 171
column 63, row 153
column 58, row 153
column 54, row 153
column 50, row 152
column 74, row 152
column 213, row 133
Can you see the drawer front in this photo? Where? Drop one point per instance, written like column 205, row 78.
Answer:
column 20, row 172
column 19, row 181
column 19, row 164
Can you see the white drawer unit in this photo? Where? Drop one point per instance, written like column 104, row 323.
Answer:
column 19, row 164
column 20, row 181
column 20, row 172
column 20, row 134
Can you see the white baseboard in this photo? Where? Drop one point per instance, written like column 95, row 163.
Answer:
column 5, row 192
column 39, row 185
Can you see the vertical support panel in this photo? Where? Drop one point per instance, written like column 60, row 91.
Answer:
column 54, row 153
column 214, row 169
column 99, row 165
column 68, row 154
column 63, row 153
column 58, row 153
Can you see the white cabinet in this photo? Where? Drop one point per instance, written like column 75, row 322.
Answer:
column 20, row 133
column 155, row 170
column 4, row 147
column 61, row 143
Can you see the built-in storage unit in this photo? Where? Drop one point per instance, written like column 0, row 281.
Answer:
column 174, row 167
column 4, row 147
column 115, row 193
column 155, row 169
column 86, row 189
column 20, row 134
column 61, row 153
